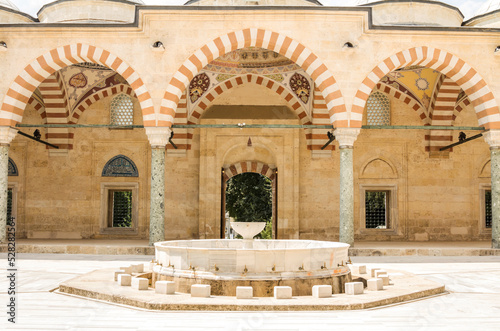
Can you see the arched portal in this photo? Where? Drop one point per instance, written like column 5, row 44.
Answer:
column 255, row 167
column 261, row 38
column 448, row 64
column 45, row 65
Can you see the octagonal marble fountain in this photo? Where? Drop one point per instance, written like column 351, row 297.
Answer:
column 227, row 263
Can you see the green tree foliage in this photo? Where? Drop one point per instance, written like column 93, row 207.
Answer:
column 249, row 198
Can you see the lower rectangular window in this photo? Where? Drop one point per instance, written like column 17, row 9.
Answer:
column 9, row 203
column 376, row 209
column 487, row 209
column 120, row 208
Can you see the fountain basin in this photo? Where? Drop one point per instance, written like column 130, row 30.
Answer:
column 262, row 264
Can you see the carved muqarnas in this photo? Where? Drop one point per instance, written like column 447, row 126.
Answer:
column 120, row 166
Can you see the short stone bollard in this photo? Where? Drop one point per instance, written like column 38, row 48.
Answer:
column 244, row 292
column 385, row 279
column 138, row 268
column 380, row 273
column 124, row 279
column 140, row 284
column 282, row 292
column 354, row 288
column 128, row 270
column 372, row 271
column 119, row 272
column 358, row 269
column 165, row 287
column 200, row 291
column 322, row 291
column 375, row 284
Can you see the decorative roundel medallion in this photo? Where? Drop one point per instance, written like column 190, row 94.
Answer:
column 78, row 80
column 300, row 85
column 198, row 86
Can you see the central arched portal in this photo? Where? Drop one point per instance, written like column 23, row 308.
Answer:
column 266, row 180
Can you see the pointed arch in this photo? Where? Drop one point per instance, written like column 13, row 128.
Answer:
column 291, row 99
column 448, row 64
column 253, row 37
column 99, row 95
column 36, row 72
column 249, row 166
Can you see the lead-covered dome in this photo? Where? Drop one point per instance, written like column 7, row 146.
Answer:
column 487, row 16
column 413, row 12
column 89, row 11
column 9, row 13
column 253, row 3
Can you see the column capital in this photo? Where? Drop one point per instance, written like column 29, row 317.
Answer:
column 346, row 136
column 158, row 136
column 7, row 134
column 492, row 137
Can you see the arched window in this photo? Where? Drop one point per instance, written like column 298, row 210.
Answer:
column 122, row 110
column 378, row 109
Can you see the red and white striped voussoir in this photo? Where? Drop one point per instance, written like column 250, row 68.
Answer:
column 99, row 95
column 252, row 37
column 249, row 166
column 291, row 99
column 448, row 64
column 35, row 73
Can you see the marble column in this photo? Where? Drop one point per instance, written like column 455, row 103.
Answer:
column 346, row 138
column 6, row 136
column 492, row 137
column 158, row 138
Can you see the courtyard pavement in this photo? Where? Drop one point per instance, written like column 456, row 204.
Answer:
column 473, row 302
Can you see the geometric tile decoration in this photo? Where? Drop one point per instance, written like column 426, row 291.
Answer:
column 12, row 168
column 301, row 87
column 120, row 166
column 198, row 86
column 122, row 110
column 378, row 109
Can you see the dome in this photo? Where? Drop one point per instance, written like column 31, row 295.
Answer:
column 8, row 4
column 89, row 11
column 413, row 13
column 253, row 3
column 488, row 7
column 9, row 13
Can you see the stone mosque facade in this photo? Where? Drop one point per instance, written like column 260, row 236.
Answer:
column 149, row 110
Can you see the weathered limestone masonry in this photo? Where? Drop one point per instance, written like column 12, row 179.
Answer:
column 493, row 139
column 6, row 136
column 346, row 138
column 158, row 137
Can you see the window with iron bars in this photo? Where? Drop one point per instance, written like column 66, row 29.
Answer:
column 487, row 208
column 9, row 204
column 120, row 208
column 376, row 210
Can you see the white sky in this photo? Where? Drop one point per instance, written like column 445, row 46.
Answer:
column 468, row 7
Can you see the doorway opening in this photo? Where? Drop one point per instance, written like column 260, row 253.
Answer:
column 249, row 197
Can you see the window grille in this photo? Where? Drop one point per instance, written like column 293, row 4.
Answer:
column 9, row 204
column 120, row 208
column 376, row 209
column 378, row 109
column 122, row 110
column 487, row 208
